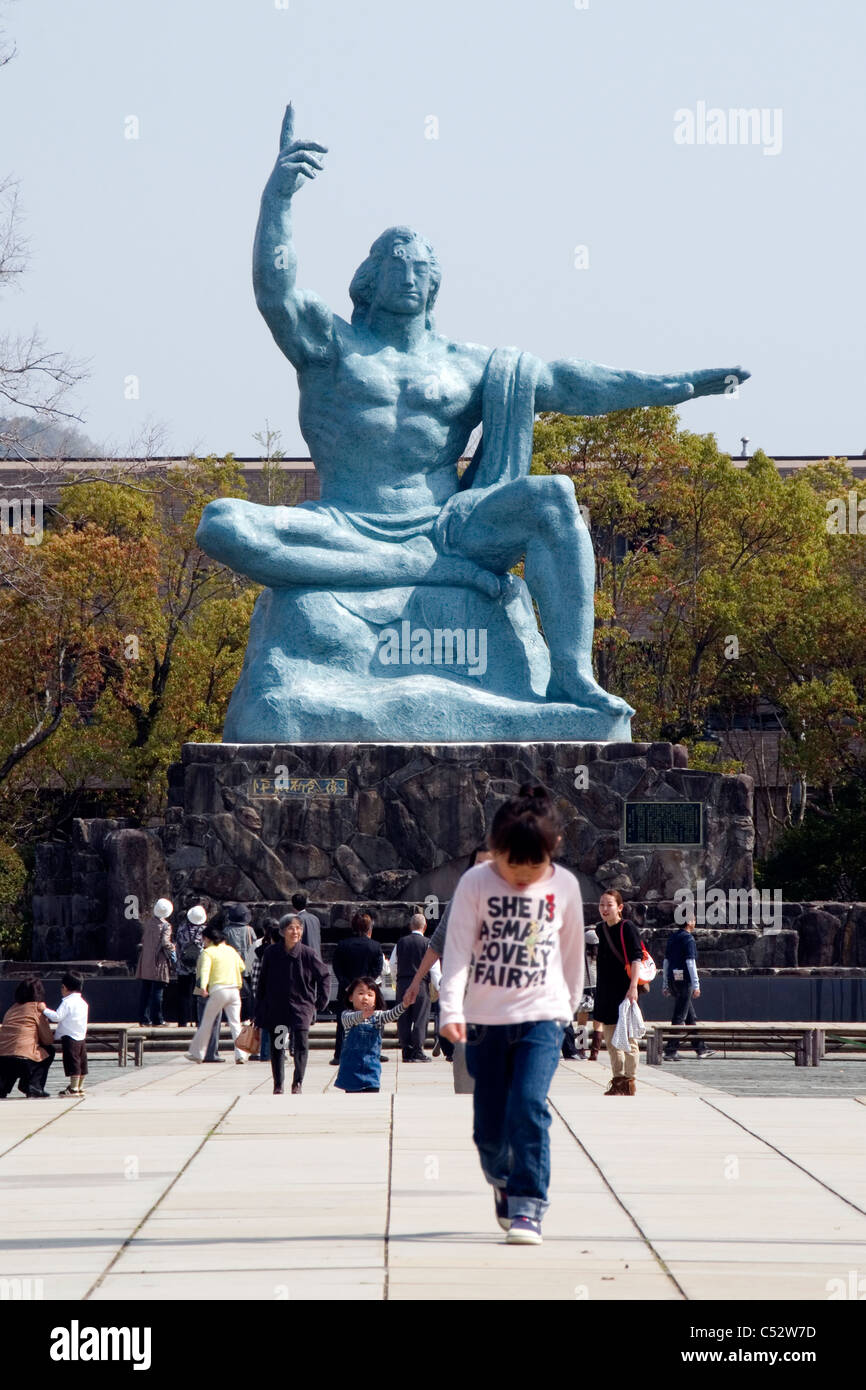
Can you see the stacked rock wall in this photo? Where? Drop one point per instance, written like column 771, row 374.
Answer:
column 383, row 824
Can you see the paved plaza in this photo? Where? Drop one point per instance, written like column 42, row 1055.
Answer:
column 174, row 1181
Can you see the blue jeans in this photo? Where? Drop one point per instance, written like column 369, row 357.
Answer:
column 150, row 1003
column 512, row 1066
column 684, row 1012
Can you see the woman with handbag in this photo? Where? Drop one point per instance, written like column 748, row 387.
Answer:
column 620, row 953
column 155, row 959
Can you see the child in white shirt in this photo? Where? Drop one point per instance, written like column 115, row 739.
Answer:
column 515, row 949
column 71, row 1033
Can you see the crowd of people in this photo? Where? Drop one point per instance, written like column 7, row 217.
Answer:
column 508, row 972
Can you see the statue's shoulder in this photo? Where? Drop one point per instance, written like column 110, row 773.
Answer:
column 472, row 357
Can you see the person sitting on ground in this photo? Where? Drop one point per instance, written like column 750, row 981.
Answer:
column 71, row 1032
column 363, row 1025
column 354, row 958
column 293, row 986
column 26, row 1043
column 219, row 975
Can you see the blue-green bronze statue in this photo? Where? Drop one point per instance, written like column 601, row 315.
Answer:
column 389, row 613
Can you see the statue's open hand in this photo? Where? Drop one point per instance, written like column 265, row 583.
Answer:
column 296, row 161
column 713, row 381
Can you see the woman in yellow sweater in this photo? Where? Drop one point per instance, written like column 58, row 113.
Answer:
column 218, row 976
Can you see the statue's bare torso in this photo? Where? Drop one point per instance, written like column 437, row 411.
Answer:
column 386, row 428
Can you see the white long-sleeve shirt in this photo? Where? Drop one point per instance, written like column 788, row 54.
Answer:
column 517, row 956
column 70, row 1017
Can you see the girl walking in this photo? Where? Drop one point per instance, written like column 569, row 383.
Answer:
column 515, row 948
column 363, row 1026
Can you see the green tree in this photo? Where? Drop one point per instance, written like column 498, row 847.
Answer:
column 719, row 588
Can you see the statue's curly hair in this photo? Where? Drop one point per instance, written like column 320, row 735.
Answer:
column 364, row 279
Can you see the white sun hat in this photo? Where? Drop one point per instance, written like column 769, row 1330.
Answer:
column 162, row 908
column 197, row 915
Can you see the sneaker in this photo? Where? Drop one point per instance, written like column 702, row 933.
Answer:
column 187, row 1057
column 708, row 1052
column 524, row 1231
column 70, row 1092
column 500, row 1202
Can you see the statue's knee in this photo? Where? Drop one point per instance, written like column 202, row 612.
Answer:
column 558, row 508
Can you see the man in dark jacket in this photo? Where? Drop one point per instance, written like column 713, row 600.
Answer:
column 405, row 960
column 681, row 980
column 293, row 986
column 358, row 955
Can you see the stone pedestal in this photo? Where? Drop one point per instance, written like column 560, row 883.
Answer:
column 377, row 823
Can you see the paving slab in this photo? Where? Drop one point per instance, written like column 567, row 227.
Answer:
column 173, row 1181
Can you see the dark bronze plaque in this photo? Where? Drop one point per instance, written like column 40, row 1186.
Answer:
column 663, row 823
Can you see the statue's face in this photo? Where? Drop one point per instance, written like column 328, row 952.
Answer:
column 403, row 283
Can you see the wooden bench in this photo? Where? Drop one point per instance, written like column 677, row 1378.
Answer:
column 117, row 1037
column 808, row 1040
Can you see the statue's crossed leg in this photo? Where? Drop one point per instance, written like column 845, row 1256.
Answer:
column 478, row 536
column 314, row 546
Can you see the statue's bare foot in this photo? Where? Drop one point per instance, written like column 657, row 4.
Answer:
column 575, row 687
column 447, row 569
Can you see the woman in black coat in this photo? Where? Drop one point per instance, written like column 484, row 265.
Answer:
column 619, row 955
column 293, row 987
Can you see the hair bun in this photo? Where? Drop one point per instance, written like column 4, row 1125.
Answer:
column 533, row 790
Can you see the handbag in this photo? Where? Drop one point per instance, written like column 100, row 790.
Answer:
column 647, row 969
column 249, row 1038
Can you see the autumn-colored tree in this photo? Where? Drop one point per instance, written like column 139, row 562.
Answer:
column 121, row 640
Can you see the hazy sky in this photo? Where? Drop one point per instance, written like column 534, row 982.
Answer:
column 556, row 129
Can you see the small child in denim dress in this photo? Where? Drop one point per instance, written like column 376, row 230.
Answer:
column 360, row 1059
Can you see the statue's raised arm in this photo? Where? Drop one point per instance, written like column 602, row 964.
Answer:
column 301, row 324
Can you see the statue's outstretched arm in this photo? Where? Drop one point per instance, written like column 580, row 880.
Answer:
column 301, row 324
column 573, row 387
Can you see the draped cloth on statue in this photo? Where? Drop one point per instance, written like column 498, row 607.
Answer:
column 414, row 663
column 504, row 454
